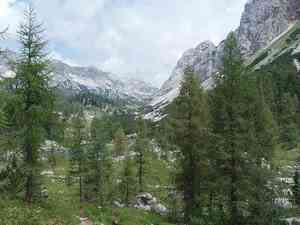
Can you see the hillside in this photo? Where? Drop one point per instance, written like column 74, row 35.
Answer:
column 261, row 23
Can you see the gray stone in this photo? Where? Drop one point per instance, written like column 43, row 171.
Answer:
column 262, row 21
column 148, row 202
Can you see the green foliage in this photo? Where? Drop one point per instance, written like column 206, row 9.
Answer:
column 245, row 131
column 98, row 180
column 288, row 121
column 78, row 155
column 296, row 188
column 128, row 180
column 34, row 99
column 141, row 147
column 189, row 119
column 120, row 142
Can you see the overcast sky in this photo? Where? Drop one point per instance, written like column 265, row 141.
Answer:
column 143, row 38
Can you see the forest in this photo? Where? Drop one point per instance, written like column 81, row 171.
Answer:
column 218, row 157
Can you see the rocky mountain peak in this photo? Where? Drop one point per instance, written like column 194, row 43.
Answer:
column 78, row 79
column 205, row 45
column 262, row 21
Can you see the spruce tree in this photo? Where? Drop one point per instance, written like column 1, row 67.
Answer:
column 189, row 119
column 35, row 97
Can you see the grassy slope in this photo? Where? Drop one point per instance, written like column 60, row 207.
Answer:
column 62, row 206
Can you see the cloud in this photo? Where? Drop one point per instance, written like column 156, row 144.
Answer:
column 10, row 14
column 143, row 38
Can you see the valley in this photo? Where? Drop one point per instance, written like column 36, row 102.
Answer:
column 218, row 143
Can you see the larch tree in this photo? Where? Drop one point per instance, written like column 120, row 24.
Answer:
column 35, row 98
column 98, row 183
column 128, row 180
column 141, row 148
column 120, row 142
column 78, row 150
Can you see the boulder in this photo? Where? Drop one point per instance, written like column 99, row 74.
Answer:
column 148, row 202
column 292, row 221
column 160, row 209
column 283, row 203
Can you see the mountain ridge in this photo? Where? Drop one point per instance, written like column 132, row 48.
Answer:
column 261, row 22
column 77, row 79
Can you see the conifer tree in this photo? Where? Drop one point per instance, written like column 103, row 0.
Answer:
column 189, row 117
column 35, row 97
column 120, row 142
column 141, row 147
column 245, row 131
column 128, row 181
column 289, row 129
column 98, row 183
column 296, row 188
column 78, row 150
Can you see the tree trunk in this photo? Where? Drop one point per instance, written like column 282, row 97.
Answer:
column 141, row 172
column 29, row 173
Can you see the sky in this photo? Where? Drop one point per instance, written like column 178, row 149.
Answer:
column 139, row 38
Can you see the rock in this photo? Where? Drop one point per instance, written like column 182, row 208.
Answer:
column 293, row 221
column 118, row 204
column 160, row 209
column 286, row 180
column 202, row 59
column 296, row 221
column 85, row 221
column 147, row 202
column 44, row 193
column 262, row 21
column 283, row 203
column 48, row 173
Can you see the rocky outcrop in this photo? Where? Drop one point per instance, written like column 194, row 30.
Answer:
column 204, row 59
column 294, row 10
column 147, row 202
column 262, row 21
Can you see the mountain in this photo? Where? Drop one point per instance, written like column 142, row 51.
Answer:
column 73, row 80
column 262, row 22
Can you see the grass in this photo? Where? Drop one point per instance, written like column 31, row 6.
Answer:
column 62, row 207
column 285, row 158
